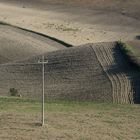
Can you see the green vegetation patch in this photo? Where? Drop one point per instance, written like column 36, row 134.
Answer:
column 24, row 104
column 130, row 52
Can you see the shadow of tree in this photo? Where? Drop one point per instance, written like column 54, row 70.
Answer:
column 138, row 37
column 122, row 65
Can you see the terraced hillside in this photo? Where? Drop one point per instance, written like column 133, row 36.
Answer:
column 92, row 72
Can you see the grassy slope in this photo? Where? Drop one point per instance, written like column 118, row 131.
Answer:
column 19, row 119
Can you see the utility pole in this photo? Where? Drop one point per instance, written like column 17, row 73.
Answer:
column 43, row 78
column 43, row 87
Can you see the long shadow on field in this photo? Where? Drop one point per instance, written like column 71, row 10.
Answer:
column 124, row 66
column 44, row 35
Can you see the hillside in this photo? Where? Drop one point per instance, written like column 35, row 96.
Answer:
column 92, row 72
column 89, row 85
column 75, row 22
column 17, row 44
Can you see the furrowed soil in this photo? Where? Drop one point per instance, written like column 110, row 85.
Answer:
column 20, row 120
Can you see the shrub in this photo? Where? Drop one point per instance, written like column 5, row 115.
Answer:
column 13, row 92
column 130, row 53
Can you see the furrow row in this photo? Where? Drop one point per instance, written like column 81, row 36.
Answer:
column 111, row 59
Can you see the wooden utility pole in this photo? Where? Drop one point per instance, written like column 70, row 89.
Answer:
column 43, row 87
column 43, row 78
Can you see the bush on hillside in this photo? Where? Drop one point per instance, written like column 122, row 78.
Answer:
column 13, row 92
column 129, row 52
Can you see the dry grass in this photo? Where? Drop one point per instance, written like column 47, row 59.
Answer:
column 19, row 120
